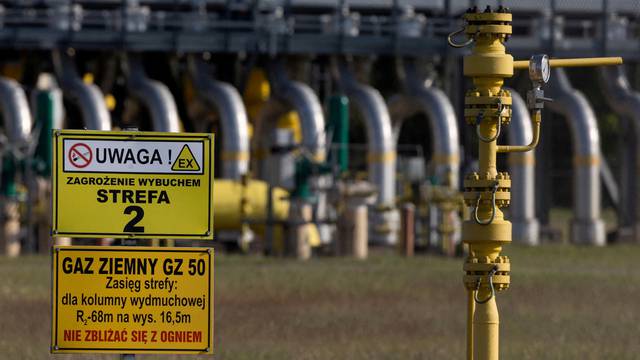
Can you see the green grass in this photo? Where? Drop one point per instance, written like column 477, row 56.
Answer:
column 565, row 303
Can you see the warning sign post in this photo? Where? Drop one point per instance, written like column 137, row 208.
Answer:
column 132, row 300
column 132, row 184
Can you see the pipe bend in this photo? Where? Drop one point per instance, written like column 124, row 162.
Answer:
column 523, row 129
column 90, row 101
column 301, row 98
column 233, row 117
column 442, row 119
column 380, row 140
column 375, row 112
column 370, row 103
column 573, row 105
column 308, row 107
column 15, row 112
column 619, row 94
column 441, row 115
column 88, row 97
column 156, row 97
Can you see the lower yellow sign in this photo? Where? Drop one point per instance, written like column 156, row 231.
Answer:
column 132, row 300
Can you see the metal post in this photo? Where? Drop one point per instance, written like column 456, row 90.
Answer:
column 129, row 242
column 408, row 229
column 339, row 125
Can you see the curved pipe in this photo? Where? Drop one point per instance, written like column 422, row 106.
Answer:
column 421, row 96
column 587, row 226
column 233, row 118
column 381, row 152
column 522, row 168
column 87, row 97
column 155, row 96
column 287, row 95
column 381, row 144
column 626, row 102
column 15, row 112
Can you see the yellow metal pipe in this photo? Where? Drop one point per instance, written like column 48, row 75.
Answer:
column 487, row 191
column 597, row 61
column 471, row 306
column 487, row 150
column 535, row 119
column 237, row 203
column 486, row 324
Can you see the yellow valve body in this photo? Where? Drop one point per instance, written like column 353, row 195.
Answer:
column 235, row 203
column 487, row 108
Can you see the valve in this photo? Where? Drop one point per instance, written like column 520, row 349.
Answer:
column 488, row 108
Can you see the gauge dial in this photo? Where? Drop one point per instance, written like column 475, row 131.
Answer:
column 539, row 69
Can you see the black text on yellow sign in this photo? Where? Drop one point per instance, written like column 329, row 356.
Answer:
column 132, row 184
column 132, row 300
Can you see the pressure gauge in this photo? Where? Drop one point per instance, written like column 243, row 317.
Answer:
column 539, row 70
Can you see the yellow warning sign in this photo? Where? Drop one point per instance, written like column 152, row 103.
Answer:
column 132, row 300
column 132, row 184
column 185, row 161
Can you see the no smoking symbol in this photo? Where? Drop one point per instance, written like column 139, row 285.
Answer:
column 80, row 155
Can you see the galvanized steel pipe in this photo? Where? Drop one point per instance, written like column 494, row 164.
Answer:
column 155, row 96
column 381, row 153
column 626, row 102
column 87, row 97
column 15, row 112
column 422, row 96
column 290, row 95
column 586, row 227
column 525, row 227
column 233, row 119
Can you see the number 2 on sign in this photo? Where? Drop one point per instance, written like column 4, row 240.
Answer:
column 131, row 225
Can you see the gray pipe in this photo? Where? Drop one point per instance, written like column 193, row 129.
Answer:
column 15, row 112
column 155, row 96
column 421, row 96
column 233, row 119
column 87, row 97
column 586, row 226
column 381, row 153
column 294, row 95
column 288, row 95
column 626, row 102
column 522, row 168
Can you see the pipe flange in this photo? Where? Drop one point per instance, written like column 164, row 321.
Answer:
column 479, row 109
column 502, row 197
column 488, row 22
column 489, row 188
column 500, row 282
column 483, row 273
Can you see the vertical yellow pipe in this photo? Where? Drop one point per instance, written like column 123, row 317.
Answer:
column 487, row 322
column 487, row 107
column 471, row 305
column 487, row 151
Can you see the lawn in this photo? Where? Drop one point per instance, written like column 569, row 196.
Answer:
column 565, row 303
